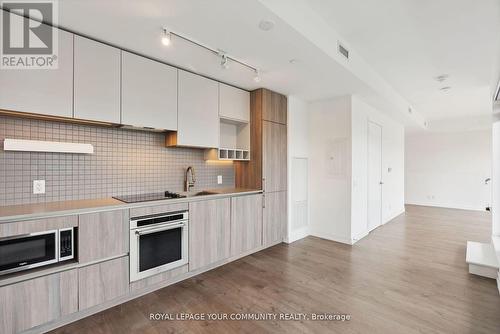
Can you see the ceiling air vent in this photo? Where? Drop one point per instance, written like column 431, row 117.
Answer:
column 343, row 51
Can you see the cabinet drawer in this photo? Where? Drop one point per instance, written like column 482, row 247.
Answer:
column 37, row 225
column 153, row 210
column 102, row 282
column 102, row 235
column 34, row 302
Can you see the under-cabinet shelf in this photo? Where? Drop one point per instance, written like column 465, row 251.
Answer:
column 227, row 154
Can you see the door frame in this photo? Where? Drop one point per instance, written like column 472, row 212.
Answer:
column 368, row 174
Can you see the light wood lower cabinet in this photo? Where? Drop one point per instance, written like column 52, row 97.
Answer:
column 246, row 223
column 209, row 232
column 275, row 217
column 102, row 282
column 102, row 235
column 34, row 302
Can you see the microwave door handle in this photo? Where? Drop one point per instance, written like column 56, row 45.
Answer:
column 159, row 229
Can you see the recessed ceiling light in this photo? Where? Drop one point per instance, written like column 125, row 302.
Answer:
column 266, row 25
column 442, row 77
column 445, row 89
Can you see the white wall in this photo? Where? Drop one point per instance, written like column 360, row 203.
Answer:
column 338, row 130
column 330, row 169
column 298, row 147
column 392, row 166
column 448, row 169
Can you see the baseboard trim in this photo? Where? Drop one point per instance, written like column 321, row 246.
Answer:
column 446, row 206
column 399, row 213
column 359, row 237
column 332, row 237
column 297, row 235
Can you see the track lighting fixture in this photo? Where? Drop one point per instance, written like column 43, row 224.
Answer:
column 224, row 61
column 166, row 38
column 256, row 78
column 224, row 58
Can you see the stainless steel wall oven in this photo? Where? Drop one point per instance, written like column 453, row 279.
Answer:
column 158, row 243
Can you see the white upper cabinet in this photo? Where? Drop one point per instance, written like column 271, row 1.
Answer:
column 96, row 81
column 149, row 93
column 41, row 91
column 234, row 103
column 198, row 111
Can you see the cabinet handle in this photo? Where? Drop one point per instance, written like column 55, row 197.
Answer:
column 263, row 201
column 264, row 184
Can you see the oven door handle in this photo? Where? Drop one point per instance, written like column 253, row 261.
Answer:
column 159, row 229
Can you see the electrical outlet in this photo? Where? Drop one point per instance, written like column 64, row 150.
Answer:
column 219, row 179
column 39, row 187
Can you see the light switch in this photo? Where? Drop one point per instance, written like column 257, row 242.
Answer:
column 219, row 179
column 39, row 187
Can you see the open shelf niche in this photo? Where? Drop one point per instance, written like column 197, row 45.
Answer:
column 234, row 141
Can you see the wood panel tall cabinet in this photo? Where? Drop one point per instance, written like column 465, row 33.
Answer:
column 267, row 169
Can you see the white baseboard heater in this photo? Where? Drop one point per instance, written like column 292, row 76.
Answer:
column 46, row 146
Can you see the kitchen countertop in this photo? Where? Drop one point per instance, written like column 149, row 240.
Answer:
column 13, row 213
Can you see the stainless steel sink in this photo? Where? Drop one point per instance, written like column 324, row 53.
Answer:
column 204, row 193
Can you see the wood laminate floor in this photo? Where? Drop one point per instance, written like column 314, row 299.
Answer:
column 408, row 276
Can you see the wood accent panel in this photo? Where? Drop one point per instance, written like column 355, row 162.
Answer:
column 249, row 174
column 34, row 302
column 102, row 235
column 152, row 210
column 171, row 138
column 246, row 223
column 275, row 217
column 274, row 157
column 158, row 279
column 209, row 232
column 274, row 107
column 37, row 225
column 102, row 282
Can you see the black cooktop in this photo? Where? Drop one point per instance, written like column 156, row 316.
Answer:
column 148, row 197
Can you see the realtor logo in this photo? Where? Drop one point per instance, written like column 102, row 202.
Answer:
column 27, row 43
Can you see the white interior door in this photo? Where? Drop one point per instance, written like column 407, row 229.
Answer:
column 374, row 175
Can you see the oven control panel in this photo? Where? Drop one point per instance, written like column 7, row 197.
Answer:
column 66, row 244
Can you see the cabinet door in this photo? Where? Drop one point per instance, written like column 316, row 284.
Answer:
column 149, row 93
column 37, row 301
column 274, row 155
column 102, row 235
column 102, row 282
column 44, row 91
column 275, row 217
column 97, row 81
column 246, row 223
column 274, row 107
column 209, row 232
column 198, row 115
column 234, row 103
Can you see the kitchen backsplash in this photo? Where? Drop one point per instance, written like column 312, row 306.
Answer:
column 124, row 162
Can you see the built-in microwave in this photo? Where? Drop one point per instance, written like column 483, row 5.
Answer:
column 27, row 251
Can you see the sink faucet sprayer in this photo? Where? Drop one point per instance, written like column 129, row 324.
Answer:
column 189, row 181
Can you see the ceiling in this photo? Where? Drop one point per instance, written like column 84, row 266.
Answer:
column 229, row 25
column 404, row 43
column 411, row 42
